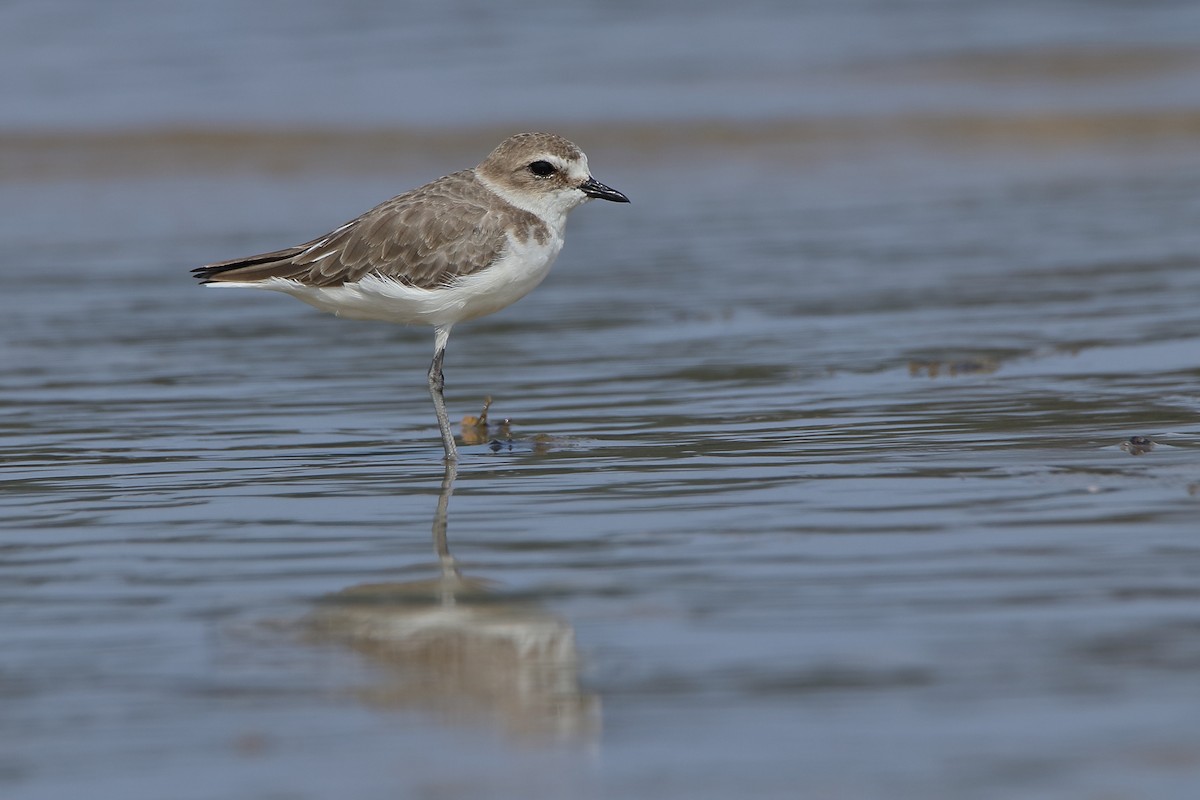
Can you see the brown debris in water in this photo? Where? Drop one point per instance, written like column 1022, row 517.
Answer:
column 962, row 366
column 1137, row 445
column 477, row 429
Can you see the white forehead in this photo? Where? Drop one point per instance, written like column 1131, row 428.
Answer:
column 575, row 168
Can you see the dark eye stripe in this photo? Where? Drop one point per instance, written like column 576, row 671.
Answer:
column 542, row 168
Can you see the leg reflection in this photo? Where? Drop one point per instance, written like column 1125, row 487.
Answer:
column 464, row 649
column 441, row 545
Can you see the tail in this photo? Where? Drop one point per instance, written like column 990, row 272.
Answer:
column 278, row 264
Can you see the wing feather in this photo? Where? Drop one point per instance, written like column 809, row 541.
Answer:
column 424, row 238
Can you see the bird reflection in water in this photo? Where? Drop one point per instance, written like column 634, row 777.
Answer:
column 458, row 648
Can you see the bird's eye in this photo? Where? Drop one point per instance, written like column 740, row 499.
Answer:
column 542, row 168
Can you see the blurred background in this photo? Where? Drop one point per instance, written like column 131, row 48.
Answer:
column 856, row 458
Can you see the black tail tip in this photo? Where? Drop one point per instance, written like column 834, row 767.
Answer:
column 205, row 274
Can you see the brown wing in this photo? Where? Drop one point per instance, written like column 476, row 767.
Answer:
column 424, row 238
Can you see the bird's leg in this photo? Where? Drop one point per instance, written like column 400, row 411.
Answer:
column 437, row 383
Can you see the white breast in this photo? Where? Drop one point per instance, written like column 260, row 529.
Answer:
column 521, row 268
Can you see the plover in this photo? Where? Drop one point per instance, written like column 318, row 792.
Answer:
column 458, row 248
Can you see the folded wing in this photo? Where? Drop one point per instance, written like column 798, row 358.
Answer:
column 424, row 238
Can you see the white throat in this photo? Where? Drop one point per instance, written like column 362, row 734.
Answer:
column 550, row 207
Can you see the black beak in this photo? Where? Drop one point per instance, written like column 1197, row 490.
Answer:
column 594, row 188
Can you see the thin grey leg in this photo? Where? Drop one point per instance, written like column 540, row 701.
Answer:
column 437, row 383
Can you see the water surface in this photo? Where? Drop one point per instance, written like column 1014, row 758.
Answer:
column 814, row 482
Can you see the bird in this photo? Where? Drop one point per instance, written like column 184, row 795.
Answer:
column 460, row 247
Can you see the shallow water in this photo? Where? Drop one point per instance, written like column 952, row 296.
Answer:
column 814, row 482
